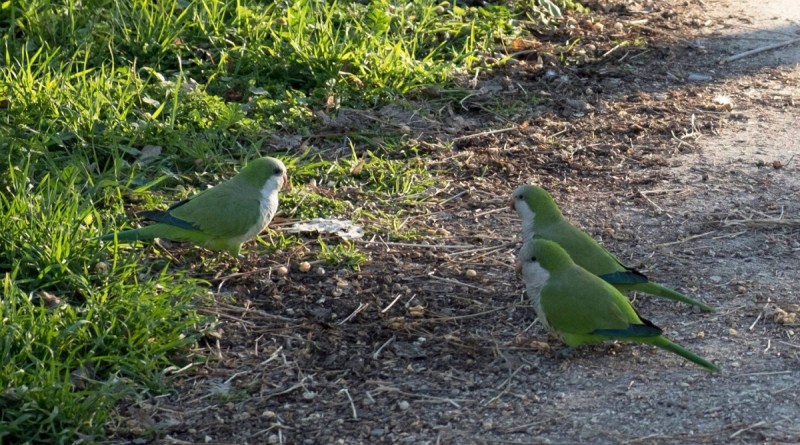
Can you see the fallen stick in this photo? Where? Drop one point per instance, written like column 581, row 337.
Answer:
column 760, row 49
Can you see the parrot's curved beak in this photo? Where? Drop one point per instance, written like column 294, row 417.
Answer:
column 518, row 268
column 511, row 204
column 286, row 184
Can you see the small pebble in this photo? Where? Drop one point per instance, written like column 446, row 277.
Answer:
column 377, row 432
column 101, row 267
column 403, row 405
column 442, row 231
column 308, row 395
column 304, row 267
column 733, row 332
column 282, row 271
column 320, row 271
column 470, row 273
column 273, row 438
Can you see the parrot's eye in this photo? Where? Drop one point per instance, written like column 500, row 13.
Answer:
column 533, row 259
column 278, row 170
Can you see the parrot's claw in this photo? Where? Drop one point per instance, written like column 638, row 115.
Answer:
column 565, row 352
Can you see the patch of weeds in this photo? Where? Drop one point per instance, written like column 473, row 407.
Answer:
column 510, row 109
column 390, row 224
column 276, row 241
column 82, row 325
column 393, row 177
column 545, row 11
column 343, row 254
column 309, row 204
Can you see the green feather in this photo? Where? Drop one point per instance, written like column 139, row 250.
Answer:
column 219, row 218
column 580, row 308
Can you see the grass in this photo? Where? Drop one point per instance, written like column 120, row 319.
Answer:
column 344, row 254
column 109, row 105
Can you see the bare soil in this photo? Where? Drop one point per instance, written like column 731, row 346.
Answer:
column 686, row 168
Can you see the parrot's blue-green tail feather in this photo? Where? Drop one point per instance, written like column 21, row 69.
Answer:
column 665, row 292
column 129, row 236
column 664, row 343
column 624, row 277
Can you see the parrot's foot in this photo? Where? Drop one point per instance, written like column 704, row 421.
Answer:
column 565, row 352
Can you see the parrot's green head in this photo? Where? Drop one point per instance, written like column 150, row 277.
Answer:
column 263, row 171
column 534, row 206
column 539, row 253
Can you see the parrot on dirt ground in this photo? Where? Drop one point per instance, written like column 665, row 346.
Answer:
column 541, row 217
column 222, row 217
column 582, row 309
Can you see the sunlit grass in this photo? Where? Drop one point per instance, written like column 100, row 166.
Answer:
column 90, row 89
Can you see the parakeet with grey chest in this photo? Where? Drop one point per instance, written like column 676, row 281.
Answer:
column 582, row 309
column 222, row 217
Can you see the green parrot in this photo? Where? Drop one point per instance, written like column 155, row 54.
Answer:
column 541, row 217
column 222, row 217
column 582, row 309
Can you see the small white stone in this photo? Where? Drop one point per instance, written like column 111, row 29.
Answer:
column 470, row 273
column 282, row 271
column 320, row 271
column 304, row 267
column 403, row 405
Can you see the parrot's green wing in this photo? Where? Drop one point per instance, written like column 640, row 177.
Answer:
column 577, row 302
column 584, row 250
column 589, row 254
column 225, row 211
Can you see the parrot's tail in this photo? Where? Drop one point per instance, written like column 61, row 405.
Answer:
column 665, row 292
column 129, row 236
column 664, row 343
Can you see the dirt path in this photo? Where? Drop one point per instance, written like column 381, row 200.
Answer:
column 440, row 357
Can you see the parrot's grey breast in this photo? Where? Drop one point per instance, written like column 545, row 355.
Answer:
column 528, row 217
column 536, row 278
column 267, row 207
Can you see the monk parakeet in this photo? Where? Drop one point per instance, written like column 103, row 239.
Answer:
column 580, row 308
column 222, row 217
column 541, row 217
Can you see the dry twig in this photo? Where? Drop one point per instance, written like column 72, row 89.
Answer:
column 760, row 49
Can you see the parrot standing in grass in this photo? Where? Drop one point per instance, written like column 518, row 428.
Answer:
column 222, row 217
column 541, row 217
column 582, row 309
